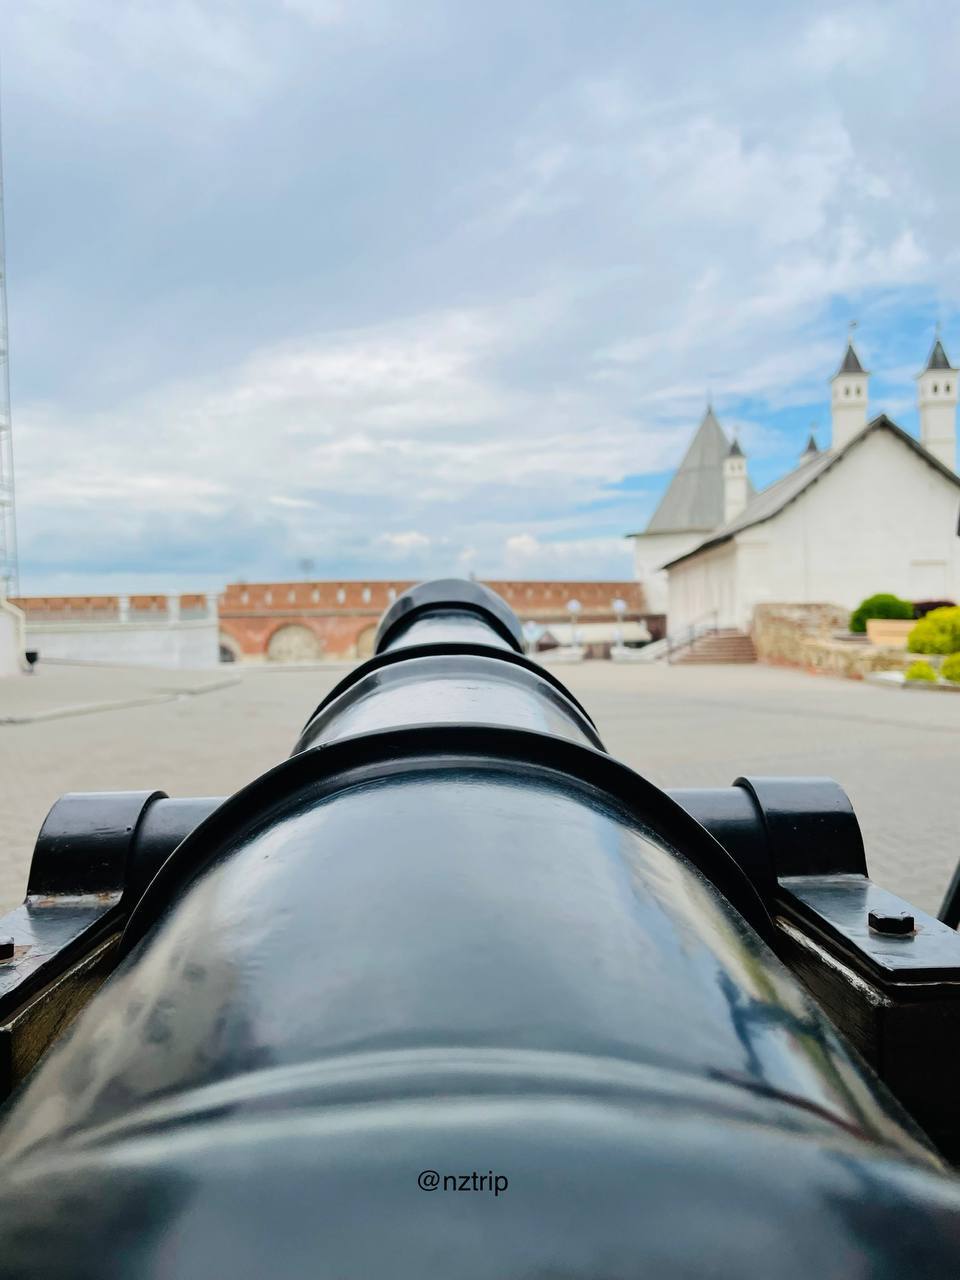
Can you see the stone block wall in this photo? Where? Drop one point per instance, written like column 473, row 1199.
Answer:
column 804, row 635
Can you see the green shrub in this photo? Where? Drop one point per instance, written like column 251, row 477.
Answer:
column 951, row 668
column 938, row 632
column 920, row 671
column 879, row 606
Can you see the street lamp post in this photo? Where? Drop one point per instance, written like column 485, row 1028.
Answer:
column 619, row 607
column 573, row 608
column 531, row 634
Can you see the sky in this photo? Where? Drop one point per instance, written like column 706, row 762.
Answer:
column 368, row 288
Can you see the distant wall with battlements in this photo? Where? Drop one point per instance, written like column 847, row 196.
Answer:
column 304, row 621
column 278, row 621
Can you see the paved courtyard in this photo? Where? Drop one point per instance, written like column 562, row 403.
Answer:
column 897, row 753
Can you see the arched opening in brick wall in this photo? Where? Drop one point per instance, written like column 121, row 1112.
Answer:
column 365, row 642
column 294, row 642
column 230, row 650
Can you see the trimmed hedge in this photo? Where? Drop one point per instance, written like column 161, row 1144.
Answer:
column 950, row 670
column 920, row 671
column 938, row 632
column 880, row 606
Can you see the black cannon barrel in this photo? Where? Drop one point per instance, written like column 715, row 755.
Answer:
column 452, row 992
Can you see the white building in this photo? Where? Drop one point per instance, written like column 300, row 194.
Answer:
column 877, row 511
column 12, row 639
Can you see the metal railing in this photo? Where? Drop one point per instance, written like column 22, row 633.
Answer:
column 704, row 626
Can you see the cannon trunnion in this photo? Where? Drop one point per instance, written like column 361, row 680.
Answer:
column 453, row 992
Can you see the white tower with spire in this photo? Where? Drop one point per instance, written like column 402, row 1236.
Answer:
column 736, row 486
column 937, row 401
column 848, row 406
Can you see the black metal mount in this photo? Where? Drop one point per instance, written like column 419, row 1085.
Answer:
column 93, row 858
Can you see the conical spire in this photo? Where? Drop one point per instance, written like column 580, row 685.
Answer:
column 938, row 358
column 812, row 448
column 851, row 361
column 693, row 501
column 735, row 451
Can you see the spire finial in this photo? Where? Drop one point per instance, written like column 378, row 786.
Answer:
column 851, row 361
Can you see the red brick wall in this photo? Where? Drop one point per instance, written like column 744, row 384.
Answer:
column 66, row 607
column 148, row 604
column 101, row 608
column 338, row 613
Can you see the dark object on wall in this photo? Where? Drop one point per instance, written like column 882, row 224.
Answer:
column 922, row 607
column 453, row 992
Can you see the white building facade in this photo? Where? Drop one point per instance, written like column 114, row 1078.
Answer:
column 12, row 639
column 877, row 511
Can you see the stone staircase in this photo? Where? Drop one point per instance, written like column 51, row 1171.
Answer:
column 726, row 645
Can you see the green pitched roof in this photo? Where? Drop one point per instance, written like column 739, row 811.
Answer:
column 693, row 501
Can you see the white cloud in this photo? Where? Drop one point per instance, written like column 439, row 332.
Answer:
column 853, row 41
column 100, row 58
column 323, row 13
column 525, row 555
column 522, row 546
column 404, row 543
column 292, row 504
column 417, row 409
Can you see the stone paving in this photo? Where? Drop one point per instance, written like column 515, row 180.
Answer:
column 896, row 752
